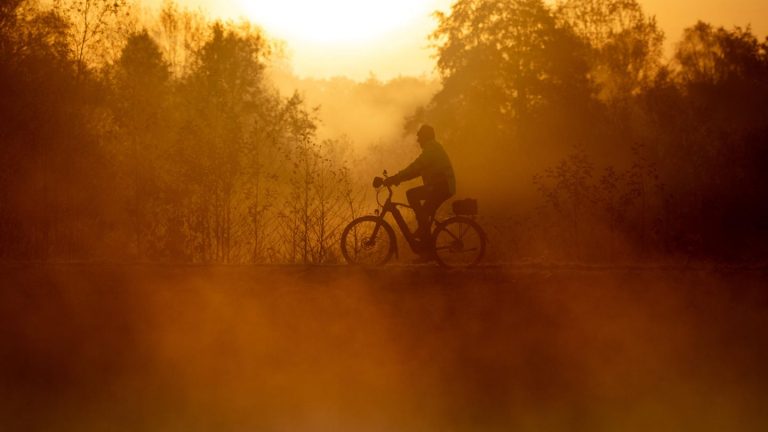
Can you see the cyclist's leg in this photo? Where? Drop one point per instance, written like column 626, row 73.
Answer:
column 415, row 197
column 426, row 200
column 433, row 202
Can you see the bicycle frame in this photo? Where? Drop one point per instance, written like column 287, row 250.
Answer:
column 392, row 207
column 449, row 233
column 450, row 240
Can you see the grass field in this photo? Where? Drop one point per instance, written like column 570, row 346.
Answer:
column 184, row 348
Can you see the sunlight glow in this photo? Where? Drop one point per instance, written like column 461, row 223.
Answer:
column 334, row 22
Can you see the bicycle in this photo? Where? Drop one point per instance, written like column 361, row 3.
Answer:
column 456, row 242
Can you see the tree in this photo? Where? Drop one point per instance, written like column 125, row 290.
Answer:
column 141, row 101
column 92, row 26
column 221, row 96
column 712, row 55
column 180, row 34
column 717, row 163
column 514, row 83
column 626, row 45
column 509, row 56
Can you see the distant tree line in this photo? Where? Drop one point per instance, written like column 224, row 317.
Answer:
column 163, row 138
column 632, row 155
column 160, row 141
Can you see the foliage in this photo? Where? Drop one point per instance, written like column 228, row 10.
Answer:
column 167, row 140
column 157, row 154
column 626, row 46
column 671, row 157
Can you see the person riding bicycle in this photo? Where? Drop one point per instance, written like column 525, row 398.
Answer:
column 436, row 171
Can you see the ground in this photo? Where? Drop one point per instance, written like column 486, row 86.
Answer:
column 200, row 348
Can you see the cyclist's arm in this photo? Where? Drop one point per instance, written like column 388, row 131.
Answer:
column 410, row 172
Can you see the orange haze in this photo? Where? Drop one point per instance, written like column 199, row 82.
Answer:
column 406, row 52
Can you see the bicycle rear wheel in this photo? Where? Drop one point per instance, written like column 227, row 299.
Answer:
column 459, row 242
column 368, row 241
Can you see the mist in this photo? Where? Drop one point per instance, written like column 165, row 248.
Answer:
column 174, row 137
column 368, row 112
column 235, row 348
column 174, row 199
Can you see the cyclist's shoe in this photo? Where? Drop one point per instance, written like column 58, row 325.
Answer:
column 424, row 250
column 418, row 245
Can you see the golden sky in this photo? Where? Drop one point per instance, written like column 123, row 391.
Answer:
column 388, row 37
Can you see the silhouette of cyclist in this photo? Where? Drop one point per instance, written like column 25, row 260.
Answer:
column 436, row 171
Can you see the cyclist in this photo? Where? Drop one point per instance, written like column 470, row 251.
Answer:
column 436, row 171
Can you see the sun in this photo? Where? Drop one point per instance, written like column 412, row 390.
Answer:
column 334, row 21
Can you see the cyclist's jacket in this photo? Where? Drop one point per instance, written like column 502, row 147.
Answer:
column 433, row 166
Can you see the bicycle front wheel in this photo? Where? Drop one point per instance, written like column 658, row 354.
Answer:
column 368, row 241
column 459, row 243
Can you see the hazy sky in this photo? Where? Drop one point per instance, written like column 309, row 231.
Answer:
column 388, row 37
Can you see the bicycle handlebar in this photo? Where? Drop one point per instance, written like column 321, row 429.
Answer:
column 378, row 183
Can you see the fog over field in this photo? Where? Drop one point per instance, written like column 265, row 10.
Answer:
column 197, row 233
column 93, row 348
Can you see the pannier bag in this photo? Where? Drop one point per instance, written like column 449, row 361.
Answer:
column 466, row 207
